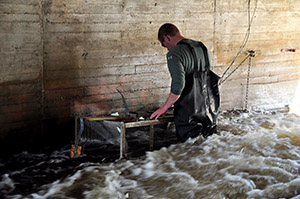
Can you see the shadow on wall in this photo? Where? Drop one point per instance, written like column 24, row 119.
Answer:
column 65, row 65
column 74, row 82
column 21, row 80
column 79, row 73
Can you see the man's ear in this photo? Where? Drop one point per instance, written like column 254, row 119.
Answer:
column 167, row 37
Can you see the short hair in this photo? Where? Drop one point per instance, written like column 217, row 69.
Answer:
column 167, row 29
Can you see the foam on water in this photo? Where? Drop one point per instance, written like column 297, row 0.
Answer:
column 256, row 155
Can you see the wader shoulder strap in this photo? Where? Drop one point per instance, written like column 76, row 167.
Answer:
column 207, row 63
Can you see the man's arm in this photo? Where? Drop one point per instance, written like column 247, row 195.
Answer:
column 162, row 110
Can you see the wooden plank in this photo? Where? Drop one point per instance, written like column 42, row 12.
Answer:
column 118, row 118
column 148, row 122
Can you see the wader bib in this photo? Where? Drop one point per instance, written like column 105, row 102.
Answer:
column 196, row 110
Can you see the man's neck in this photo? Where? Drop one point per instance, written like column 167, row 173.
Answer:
column 178, row 38
column 175, row 40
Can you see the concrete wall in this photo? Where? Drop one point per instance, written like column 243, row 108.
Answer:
column 62, row 58
column 274, row 73
column 21, row 69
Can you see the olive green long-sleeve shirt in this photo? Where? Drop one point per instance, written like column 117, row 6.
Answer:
column 181, row 63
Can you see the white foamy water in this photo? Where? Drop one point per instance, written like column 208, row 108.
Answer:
column 256, row 155
column 295, row 106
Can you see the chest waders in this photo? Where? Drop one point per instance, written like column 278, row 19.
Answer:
column 197, row 108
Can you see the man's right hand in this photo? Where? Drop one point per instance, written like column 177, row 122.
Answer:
column 162, row 110
column 158, row 113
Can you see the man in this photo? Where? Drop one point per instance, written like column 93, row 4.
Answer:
column 181, row 67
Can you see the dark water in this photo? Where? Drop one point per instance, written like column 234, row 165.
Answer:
column 255, row 155
column 25, row 173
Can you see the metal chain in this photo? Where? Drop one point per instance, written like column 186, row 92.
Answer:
column 250, row 55
column 247, row 85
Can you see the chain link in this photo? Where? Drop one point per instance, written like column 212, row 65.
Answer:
column 247, row 85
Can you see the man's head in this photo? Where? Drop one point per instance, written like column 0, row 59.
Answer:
column 169, row 35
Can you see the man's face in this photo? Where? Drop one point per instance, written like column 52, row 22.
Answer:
column 163, row 42
column 166, row 42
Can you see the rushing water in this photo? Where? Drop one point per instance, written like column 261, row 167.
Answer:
column 255, row 155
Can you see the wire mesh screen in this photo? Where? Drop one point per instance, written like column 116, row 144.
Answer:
column 98, row 135
column 97, row 139
column 102, row 131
